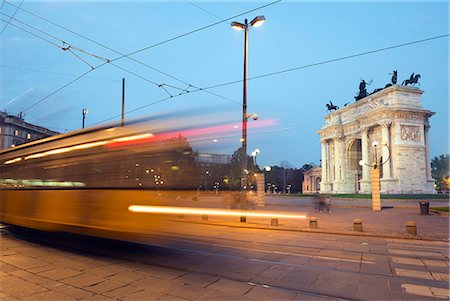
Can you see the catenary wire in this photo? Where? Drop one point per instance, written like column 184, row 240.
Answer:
column 151, row 46
column 56, row 73
column 15, row 12
column 38, row 36
column 109, row 48
column 204, row 10
column 293, row 69
column 330, row 61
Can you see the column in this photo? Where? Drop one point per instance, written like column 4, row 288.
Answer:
column 365, row 155
column 337, row 160
column 324, row 162
column 427, row 152
column 385, row 141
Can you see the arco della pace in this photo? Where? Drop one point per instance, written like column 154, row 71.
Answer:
column 393, row 117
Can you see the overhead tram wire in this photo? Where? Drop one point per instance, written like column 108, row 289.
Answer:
column 330, row 61
column 204, row 10
column 106, row 61
column 296, row 68
column 154, row 45
column 56, row 73
column 6, row 25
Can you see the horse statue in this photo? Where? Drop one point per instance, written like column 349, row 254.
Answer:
column 331, row 107
column 413, row 79
column 394, row 77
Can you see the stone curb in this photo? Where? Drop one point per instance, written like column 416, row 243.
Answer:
column 323, row 231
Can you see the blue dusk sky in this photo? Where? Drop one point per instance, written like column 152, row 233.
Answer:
column 307, row 39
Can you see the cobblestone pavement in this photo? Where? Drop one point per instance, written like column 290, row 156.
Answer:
column 240, row 261
column 229, row 263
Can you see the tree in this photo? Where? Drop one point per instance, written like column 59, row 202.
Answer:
column 234, row 174
column 440, row 171
column 285, row 173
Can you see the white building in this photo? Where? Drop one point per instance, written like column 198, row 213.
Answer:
column 396, row 119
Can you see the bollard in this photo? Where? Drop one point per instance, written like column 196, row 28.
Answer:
column 411, row 227
column 204, row 217
column 274, row 222
column 357, row 225
column 313, row 222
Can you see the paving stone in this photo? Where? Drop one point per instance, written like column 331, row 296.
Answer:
column 48, row 295
column 276, row 271
column 440, row 276
column 406, row 260
column 339, row 284
column 197, row 279
column 262, row 293
column 442, row 293
column 5, row 297
column 127, row 276
column 413, row 274
column 104, row 286
column 43, row 268
column 435, row 263
column 23, row 262
column 68, row 290
column 146, row 295
column 123, row 291
column 58, row 274
column 306, row 297
column 274, row 257
column 19, row 288
column 368, row 291
column 327, row 264
column 155, row 284
column 161, row 272
column 299, row 279
column 105, row 271
column 420, row 290
column 189, row 292
column 6, row 267
column 35, row 279
column 230, row 287
column 83, row 280
column 170, row 298
column 297, row 260
column 222, row 296
column 348, row 266
column 379, row 269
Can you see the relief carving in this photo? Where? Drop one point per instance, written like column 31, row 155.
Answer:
column 377, row 102
column 410, row 133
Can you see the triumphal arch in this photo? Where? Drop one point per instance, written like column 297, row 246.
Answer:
column 393, row 117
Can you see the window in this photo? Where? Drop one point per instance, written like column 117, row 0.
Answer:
column 16, row 132
column 28, row 136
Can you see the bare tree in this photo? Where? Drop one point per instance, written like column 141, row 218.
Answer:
column 286, row 171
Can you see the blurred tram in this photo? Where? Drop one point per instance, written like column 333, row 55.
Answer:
column 85, row 181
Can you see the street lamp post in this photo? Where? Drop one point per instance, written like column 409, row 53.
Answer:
column 84, row 113
column 257, row 21
column 375, row 175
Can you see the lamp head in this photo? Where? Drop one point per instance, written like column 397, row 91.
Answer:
column 258, row 21
column 375, row 143
column 255, row 116
column 267, row 168
column 362, row 162
column 237, row 25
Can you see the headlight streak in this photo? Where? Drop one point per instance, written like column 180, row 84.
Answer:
column 208, row 211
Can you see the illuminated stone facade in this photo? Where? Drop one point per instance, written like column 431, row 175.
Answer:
column 396, row 119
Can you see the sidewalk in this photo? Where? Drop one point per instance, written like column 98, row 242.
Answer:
column 390, row 222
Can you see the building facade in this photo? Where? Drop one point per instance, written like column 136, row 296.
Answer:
column 15, row 131
column 311, row 180
column 389, row 128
